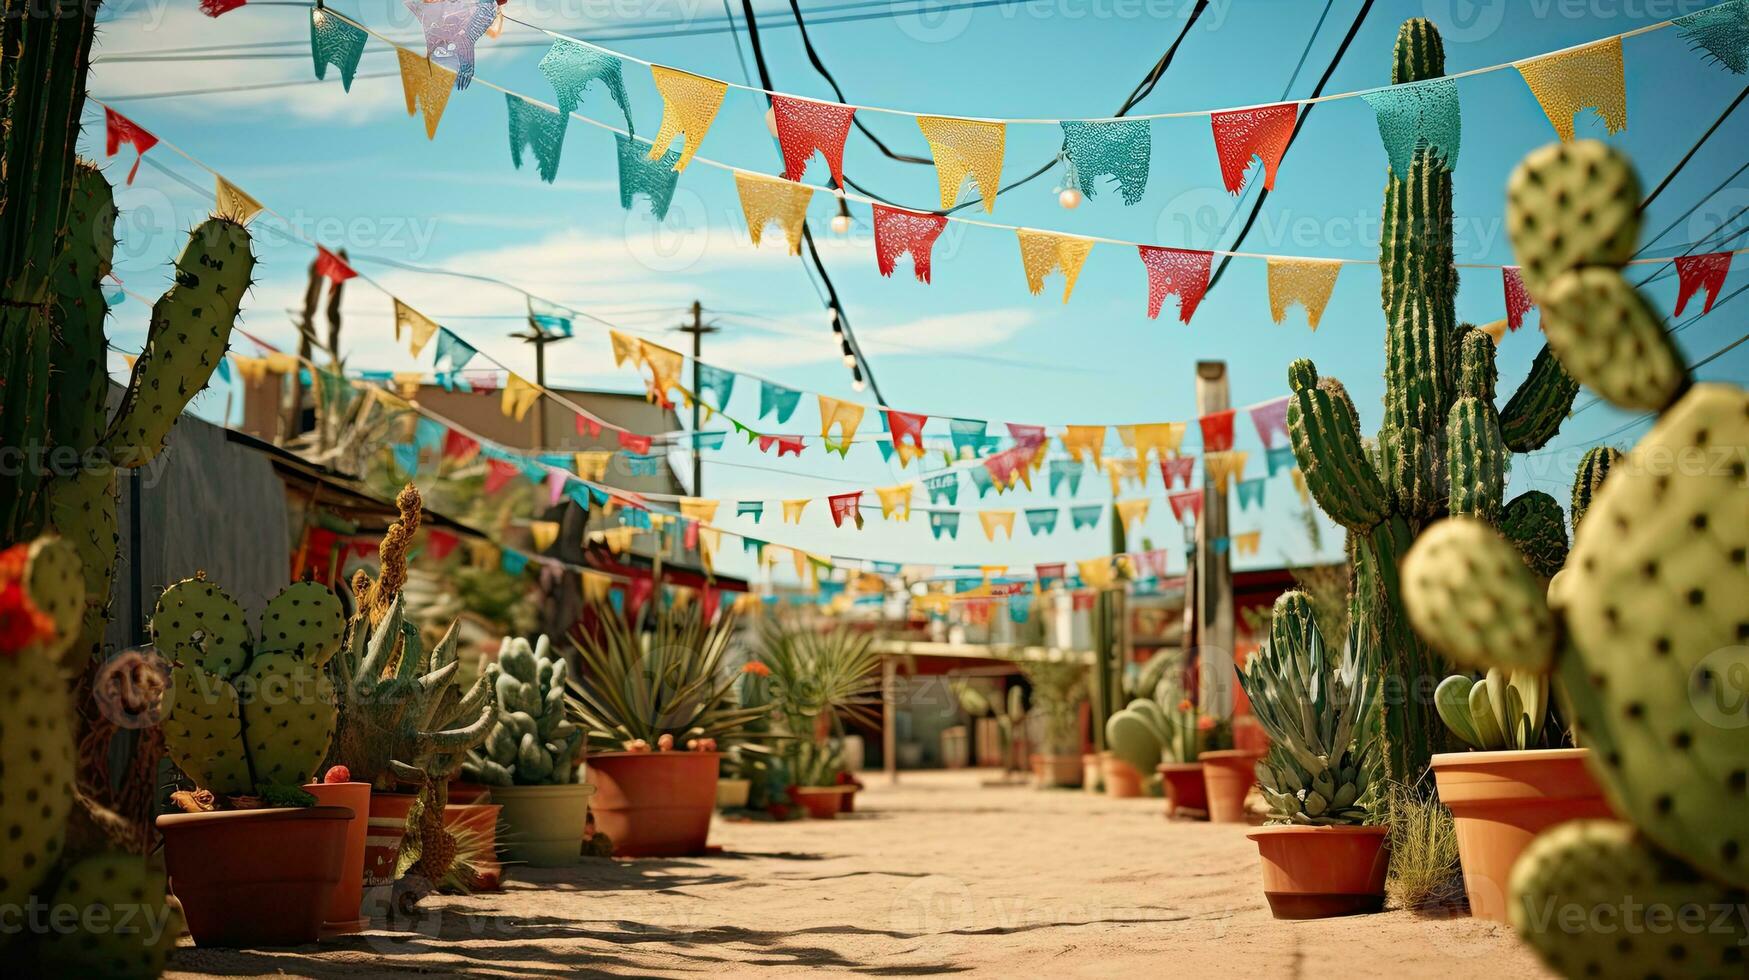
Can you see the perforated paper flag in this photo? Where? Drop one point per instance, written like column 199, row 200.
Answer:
column 638, row 174
column 570, row 67
column 963, row 147
column 1568, row 81
column 1186, row 502
column 119, row 129
column 1518, row 301
column 1217, row 431
column 906, row 428
column 1161, row 438
column 1082, row 441
column 981, row 479
column 1132, row 512
column 846, row 416
column 1247, row 543
column 335, row 42
column 1175, row 271
column 1697, row 272
column 777, row 400
column 766, row 199
column 944, row 522
column 1270, row 420
column 1241, row 134
column 664, row 367
column 539, row 129
column 1177, row 470
column 1307, row 282
column 943, row 487
column 897, row 231
column 1251, row 492
column 1086, row 516
column 1041, row 520
column 1722, row 31
column 543, row 534
column 425, row 85
column 1119, row 149
column 591, row 464
column 1421, row 115
column 1066, row 471
column 698, row 509
column 1280, row 458
column 1222, row 468
column 1042, row 251
column 805, row 126
column 992, row 520
column 1096, row 573
column 332, row 267
column 896, row 501
column 231, row 202
column 971, row 437
column 625, row 348
column 451, row 29
column 846, row 506
column 719, row 382
column 750, row 508
column 689, row 105
column 792, row 510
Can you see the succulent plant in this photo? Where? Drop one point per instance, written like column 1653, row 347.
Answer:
column 1314, row 702
column 532, row 743
column 1442, row 446
column 1593, row 469
column 1503, row 710
column 1643, row 630
column 1058, row 689
column 1138, row 735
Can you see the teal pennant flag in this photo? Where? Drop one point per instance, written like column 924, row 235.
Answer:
column 539, row 129
column 1416, row 116
column 1119, row 149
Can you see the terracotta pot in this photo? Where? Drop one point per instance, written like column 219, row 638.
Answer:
column 1500, row 800
column 464, row 793
column 255, row 877
column 343, row 907
column 543, row 825
column 1037, row 763
column 1060, row 770
column 1317, row 872
column 1121, row 779
column 1186, row 796
column 1227, row 775
column 732, row 793
column 655, row 804
column 480, row 821
column 1092, row 774
column 382, row 848
column 821, row 802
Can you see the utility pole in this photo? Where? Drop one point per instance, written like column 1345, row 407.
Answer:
column 1214, row 568
column 698, row 328
column 540, row 337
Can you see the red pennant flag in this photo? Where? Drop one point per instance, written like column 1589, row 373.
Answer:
column 804, row 126
column 1244, row 133
column 1082, row 601
column 791, row 445
column 1217, row 431
column 637, row 593
column 213, row 8
column 846, row 505
column 689, row 540
column 1026, row 435
column 458, row 446
column 500, row 472
column 1518, row 301
column 709, row 601
column 1002, row 466
column 482, row 382
column 332, row 266
column 636, row 444
column 897, row 231
column 1186, row 501
column 1270, row 418
column 906, row 427
column 588, row 427
column 1177, row 469
column 439, row 543
column 119, row 129
column 1696, row 271
column 1175, row 270
column 1050, row 570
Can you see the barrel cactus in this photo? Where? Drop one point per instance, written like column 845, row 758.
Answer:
column 1314, row 702
column 1643, row 630
column 247, row 716
column 1442, row 446
column 533, row 743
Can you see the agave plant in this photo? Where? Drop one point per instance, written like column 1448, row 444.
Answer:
column 820, row 679
column 1314, row 706
column 1057, row 692
column 660, row 675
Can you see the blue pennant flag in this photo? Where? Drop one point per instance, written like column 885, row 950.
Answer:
column 533, row 469
column 513, row 561
column 1222, row 545
column 750, row 508
column 428, row 434
column 888, row 568
column 709, row 440
column 1416, row 116
column 1085, row 516
column 452, row 350
column 981, row 479
column 1281, row 458
column 407, row 458
column 335, row 42
column 943, row 487
column 944, row 521
column 636, row 517
column 551, row 318
column 716, row 381
column 539, row 129
column 224, row 367
column 617, row 599
column 1019, row 607
column 1069, row 470
column 1118, row 148
column 753, row 545
column 1041, row 520
column 776, row 398
column 1251, row 492
column 578, row 492
column 600, row 495
column 643, row 464
column 1722, row 31
column 638, row 174
column 453, row 381
column 571, row 67
column 970, row 437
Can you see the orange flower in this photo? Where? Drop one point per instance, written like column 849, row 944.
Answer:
column 1184, row 705
column 22, row 624
column 756, row 667
column 1205, row 723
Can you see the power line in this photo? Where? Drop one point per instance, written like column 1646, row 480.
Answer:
column 1691, row 150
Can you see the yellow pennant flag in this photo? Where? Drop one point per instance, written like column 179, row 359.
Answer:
column 518, row 397
column 1299, row 477
column 1132, row 512
column 961, row 147
column 896, row 501
column 426, row 85
column 280, row 363
column 846, row 415
column 543, row 534
column 231, row 202
column 420, row 328
column 1095, row 573
column 699, row 509
column 624, row 348
column 1569, row 81
column 993, row 519
column 1042, row 251
column 664, row 365
column 932, row 602
column 792, row 510
column 1081, row 441
column 1222, row 468
column 689, row 104
column 747, row 604
column 766, row 199
column 595, row 586
column 1247, row 543
column 1307, row 282
column 1161, row 438
column 251, row 369
column 618, row 539
column 1496, row 330
column 407, row 383
column 1130, row 470
column 592, row 464
column 709, row 538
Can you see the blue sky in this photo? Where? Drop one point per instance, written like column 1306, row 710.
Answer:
column 353, row 170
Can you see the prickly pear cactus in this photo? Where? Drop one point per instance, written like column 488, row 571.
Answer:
column 1645, row 627
column 247, row 717
column 533, row 743
column 1138, row 735
column 128, row 893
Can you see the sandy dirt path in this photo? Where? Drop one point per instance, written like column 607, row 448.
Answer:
column 938, row 875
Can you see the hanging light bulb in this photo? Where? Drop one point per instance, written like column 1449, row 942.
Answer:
column 857, row 384
column 1069, row 198
column 850, row 360
column 841, row 220
column 771, row 119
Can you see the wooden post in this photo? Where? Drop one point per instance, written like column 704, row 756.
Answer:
column 890, row 719
column 1214, row 570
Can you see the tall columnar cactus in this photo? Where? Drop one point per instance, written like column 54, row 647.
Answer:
column 245, row 715
column 1593, row 469
column 1644, row 629
column 1442, row 445
column 533, row 743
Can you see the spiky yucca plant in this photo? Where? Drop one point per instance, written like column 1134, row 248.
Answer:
column 1313, row 702
column 819, row 677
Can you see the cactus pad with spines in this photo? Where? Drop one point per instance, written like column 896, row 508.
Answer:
column 1535, row 526
column 1588, row 480
column 196, row 622
column 1610, row 338
column 1469, row 592
column 305, row 618
column 131, row 894
column 1570, row 205
column 1536, row 410
column 202, row 720
column 288, row 717
column 1137, row 738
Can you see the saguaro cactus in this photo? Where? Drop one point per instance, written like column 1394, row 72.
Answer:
column 1442, row 445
